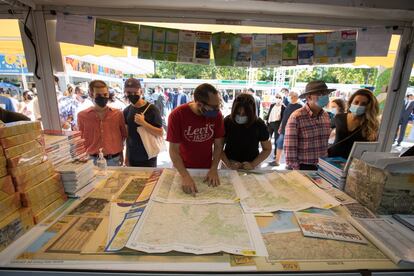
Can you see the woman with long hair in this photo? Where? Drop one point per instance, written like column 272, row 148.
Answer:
column 244, row 130
column 359, row 124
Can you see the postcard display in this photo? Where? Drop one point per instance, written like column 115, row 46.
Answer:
column 250, row 50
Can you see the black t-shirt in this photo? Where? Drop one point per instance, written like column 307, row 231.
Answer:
column 10, row 116
column 286, row 114
column 242, row 143
column 135, row 147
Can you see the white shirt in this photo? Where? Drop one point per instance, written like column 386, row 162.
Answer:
column 276, row 113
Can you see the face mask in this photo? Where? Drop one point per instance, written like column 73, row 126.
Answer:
column 323, row 101
column 278, row 101
column 84, row 97
column 241, row 120
column 357, row 110
column 289, row 99
column 101, row 101
column 210, row 113
column 334, row 111
column 30, row 97
column 134, row 98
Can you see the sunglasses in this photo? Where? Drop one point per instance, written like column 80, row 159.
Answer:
column 278, row 97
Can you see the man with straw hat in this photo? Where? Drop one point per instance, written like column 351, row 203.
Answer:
column 308, row 129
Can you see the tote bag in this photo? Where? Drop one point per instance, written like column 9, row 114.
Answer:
column 152, row 144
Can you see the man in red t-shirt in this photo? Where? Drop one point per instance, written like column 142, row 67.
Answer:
column 193, row 129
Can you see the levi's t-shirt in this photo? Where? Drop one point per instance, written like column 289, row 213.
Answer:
column 195, row 134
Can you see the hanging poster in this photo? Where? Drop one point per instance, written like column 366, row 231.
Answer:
column 334, row 47
column 171, row 44
column 116, row 34
column 274, row 50
column 145, row 42
column 223, row 47
column 102, row 31
column 320, row 48
column 131, row 35
column 305, row 49
column 186, row 46
column 259, row 50
column 374, row 42
column 202, row 50
column 243, row 47
column 158, row 43
column 348, row 46
column 75, row 29
column 290, row 50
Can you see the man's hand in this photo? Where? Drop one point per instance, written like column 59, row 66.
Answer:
column 234, row 165
column 212, row 178
column 139, row 119
column 248, row 166
column 189, row 186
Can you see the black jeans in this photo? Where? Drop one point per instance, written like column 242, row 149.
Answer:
column 146, row 163
column 273, row 128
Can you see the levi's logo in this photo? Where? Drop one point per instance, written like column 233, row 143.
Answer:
column 198, row 135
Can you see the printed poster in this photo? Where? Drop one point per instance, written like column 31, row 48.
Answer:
column 259, row 50
column 102, row 31
column 374, row 42
column 186, row 46
column 223, row 47
column 76, row 29
column 171, row 44
column 158, row 43
column 305, row 49
column 243, row 48
column 131, row 35
column 348, row 46
column 321, row 48
column 202, row 48
column 290, row 50
column 274, row 50
column 334, row 47
column 145, row 42
column 116, row 34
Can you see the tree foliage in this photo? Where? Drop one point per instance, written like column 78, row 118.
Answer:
column 339, row 75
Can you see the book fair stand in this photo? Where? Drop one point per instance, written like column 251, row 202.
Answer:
column 351, row 217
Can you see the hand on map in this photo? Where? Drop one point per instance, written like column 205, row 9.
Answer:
column 248, row 166
column 189, row 186
column 234, row 165
column 212, row 178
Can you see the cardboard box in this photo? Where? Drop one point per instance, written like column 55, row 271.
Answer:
column 34, row 176
column 9, row 205
column 38, row 192
column 16, row 128
column 16, row 140
column 6, row 187
column 383, row 190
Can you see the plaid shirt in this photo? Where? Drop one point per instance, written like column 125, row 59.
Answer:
column 306, row 137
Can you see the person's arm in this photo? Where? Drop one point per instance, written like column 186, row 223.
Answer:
column 229, row 164
column 156, row 131
column 212, row 175
column 291, row 143
column 188, row 183
column 266, row 150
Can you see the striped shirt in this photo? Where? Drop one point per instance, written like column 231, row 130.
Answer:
column 306, row 137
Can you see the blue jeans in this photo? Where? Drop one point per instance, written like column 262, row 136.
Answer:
column 280, row 141
column 111, row 162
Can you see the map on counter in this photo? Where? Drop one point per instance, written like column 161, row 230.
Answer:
column 281, row 192
column 169, row 188
column 196, row 229
column 279, row 222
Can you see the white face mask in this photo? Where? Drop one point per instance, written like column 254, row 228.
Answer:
column 241, row 120
column 278, row 101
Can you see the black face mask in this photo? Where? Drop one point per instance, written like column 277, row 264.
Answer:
column 84, row 97
column 101, row 101
column 29, row 97
column 134, row 98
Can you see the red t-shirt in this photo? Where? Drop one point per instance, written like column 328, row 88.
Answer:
column 195, row 134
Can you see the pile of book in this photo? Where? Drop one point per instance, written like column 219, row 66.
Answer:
column 332, row 170
column 64, row 146
column 76, row 175
column 35, row 183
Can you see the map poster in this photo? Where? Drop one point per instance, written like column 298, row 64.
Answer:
column 223, row 48
column 274, row 50
column 305, row 49
column 131, row 35
column 243, row 48
column 259, row 50
column 290, row 50
column 186, row 46
column 171, row 44
column 158, row 43
column 348, row 46
column 202, row 48
column 145, row 42
column 116, row 34
column 328, row 227
column 102, row 31
column 320, row 48
column 334, row 47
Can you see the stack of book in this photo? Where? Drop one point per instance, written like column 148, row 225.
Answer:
column 332, row 170
column 76, row 175
column 36, row 184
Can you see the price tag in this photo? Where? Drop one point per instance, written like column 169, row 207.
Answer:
column 290, row 265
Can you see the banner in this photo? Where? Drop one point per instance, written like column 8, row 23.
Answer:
column 259, row 50
column 243, row 46
column 305, row 49
column 274, row 50
column 290, row 50
column 223, row 48
column 186, row 46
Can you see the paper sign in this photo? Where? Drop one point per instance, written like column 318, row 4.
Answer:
column 75, row 29
column 348, row 46
column 243, row 46
column 320, row 48
column 171, row 44
column 145, row 42
column 131, row 35
column 116, row 34
column 259, row 50
column 373, row 42
column 202, row 50
column 334, row 47
column 305, row 49
column 274, row 50
column 290, row 49
column 158, row 43
column 186, row 46
column 102, row 31
column 223, row 47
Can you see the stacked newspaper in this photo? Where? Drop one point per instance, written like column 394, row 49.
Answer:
column 76, row 175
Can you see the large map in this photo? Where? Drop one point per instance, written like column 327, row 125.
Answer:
column 281, row 192
column 169, row 188
column 193, row 228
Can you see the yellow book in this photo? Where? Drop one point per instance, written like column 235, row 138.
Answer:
column 6, row 187
column 48, row 210
column 16, row 128
column 9, row 205
column 16, row 140
column 41, row 190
